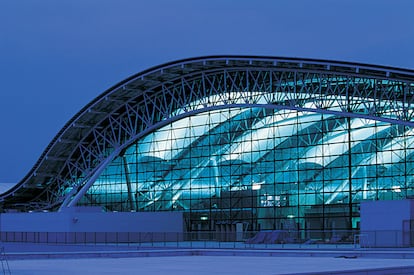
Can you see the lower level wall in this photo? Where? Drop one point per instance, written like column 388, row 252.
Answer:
column 90, row 237
column 93, row 220
column 383, row 223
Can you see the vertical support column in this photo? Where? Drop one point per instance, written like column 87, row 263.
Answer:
column 350, row 174
column 131, row 198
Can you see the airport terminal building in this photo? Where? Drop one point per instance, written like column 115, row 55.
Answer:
column 258, row 143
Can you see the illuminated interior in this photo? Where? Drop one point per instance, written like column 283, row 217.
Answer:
column 267, row 168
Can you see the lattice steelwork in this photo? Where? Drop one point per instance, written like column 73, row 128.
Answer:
column 261, row 140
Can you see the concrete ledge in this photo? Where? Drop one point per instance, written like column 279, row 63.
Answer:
column 383, row 254
column 408, row 270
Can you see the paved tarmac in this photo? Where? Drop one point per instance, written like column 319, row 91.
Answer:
column 190, row 265
column 79, row 259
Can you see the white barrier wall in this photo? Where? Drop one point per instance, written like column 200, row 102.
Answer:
column 384, row 223
column 90, row 219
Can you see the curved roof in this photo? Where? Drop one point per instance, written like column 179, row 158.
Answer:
column 103, row 128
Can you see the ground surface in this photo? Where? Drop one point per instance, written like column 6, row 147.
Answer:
column 198, row 265
column 26, row 258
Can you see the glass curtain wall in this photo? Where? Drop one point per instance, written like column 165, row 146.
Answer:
column 264, row 168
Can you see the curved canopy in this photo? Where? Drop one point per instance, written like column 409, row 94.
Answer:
column 161, row 95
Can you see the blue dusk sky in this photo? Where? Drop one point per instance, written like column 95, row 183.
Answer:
column 56, row 56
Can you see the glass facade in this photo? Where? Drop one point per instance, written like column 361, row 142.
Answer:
column 236, row 144
column 265, row 168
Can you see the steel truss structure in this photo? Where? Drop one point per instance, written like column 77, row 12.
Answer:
column 149, row 100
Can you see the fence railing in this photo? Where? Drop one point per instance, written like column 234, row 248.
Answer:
column 208, row 239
